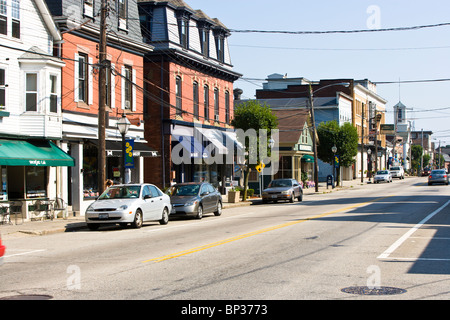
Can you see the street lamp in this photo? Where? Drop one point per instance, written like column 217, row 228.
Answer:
column 369, row 167
column 123, row 125
column 334, row 150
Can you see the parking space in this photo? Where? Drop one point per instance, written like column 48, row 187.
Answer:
column 429, row 240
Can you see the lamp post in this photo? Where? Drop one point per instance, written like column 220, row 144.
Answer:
column 334, row 150
column 369, row 167
column 123, row 125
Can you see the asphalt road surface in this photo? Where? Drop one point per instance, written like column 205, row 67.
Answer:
column 384, row 241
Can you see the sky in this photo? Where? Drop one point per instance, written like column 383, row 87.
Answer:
column 394, row 56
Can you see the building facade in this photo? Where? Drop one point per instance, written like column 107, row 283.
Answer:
column 189, row 79
column 32, row 164
column 79, row 23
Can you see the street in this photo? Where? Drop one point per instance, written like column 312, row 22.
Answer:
column 393, row 237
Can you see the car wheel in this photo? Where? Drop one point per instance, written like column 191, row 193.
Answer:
column 199, row 212
column 165, row 217
column 291, row 200
column 219, row 209
column 300, row 197
column 93, row 226
column 138, row 219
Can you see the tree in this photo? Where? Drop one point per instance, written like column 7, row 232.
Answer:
column 252, row 115
column 416, row 154
column 344, row 137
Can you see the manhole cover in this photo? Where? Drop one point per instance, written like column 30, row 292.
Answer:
column 28, row 297
column 380, row 291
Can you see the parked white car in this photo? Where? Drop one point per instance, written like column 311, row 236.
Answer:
column 383, row 176
column 129, row 203
column 397, row 172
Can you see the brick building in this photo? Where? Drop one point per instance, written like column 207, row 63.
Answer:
column 79, row 23
column 189, row 83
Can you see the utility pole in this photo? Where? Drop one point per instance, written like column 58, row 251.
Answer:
column 102, row 100
column 313, row 120
column 362, row 143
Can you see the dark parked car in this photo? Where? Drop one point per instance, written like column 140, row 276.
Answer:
column 282, row 189
column 195, row 199
column 438, row 176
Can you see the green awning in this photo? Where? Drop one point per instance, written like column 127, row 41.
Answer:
column 307, row 158
column 39, row 153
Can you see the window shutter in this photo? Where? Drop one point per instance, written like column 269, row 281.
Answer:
column 133, row 107
column 76, row 84
column 90, row 84
column 123, row 88
column 113, row 86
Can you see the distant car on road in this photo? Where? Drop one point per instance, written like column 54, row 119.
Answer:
column 426, row 172
column 383, row 176
column 438, row 176
column 282, row 189
column 195, row 199
column 129, row 203
column 397, row 172
column 2, row 251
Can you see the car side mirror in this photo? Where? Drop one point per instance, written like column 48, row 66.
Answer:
column 204, row 193
column 147, row 196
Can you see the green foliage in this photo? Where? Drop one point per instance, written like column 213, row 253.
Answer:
column 344, row 137
column 252, row 115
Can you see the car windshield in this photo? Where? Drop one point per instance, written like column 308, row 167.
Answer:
column 382, row 172
column 186, row 190
column 395, row 168
column 121, row 192
column 438, row 172
column 280, row 183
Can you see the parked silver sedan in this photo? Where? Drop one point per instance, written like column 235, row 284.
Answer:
column 282, row 189
column 382, row 176
column 129, row 203
column 438, row 176
column 195, row 199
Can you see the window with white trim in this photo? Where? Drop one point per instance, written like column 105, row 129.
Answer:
column 88, row 8
column 179, row 101
column 128, row 87
column 31, row 94
column 15, row 14
column 83, row 78
column 3, row 17
column 123, row 13
column 53, row 93
column 2, row 89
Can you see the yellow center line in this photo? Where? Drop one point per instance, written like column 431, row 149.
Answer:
column 254, row 233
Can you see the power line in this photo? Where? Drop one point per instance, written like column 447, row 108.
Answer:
column 345, row 31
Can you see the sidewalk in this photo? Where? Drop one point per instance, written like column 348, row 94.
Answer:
column 39, row 228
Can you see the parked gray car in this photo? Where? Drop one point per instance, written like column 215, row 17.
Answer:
column 438, row 176
column 282, row 189
column 195, row 199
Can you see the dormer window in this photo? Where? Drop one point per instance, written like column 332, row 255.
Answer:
column 204, row 38
column 123, row 14
column 88, row 8
column 183, row 29
column 219, row 36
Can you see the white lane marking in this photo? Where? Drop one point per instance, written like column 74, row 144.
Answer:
column 399, row 242
column 23, row 253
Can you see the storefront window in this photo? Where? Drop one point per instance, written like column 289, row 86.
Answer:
column 36, row 182
column 90, row 168
column 4, row 191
